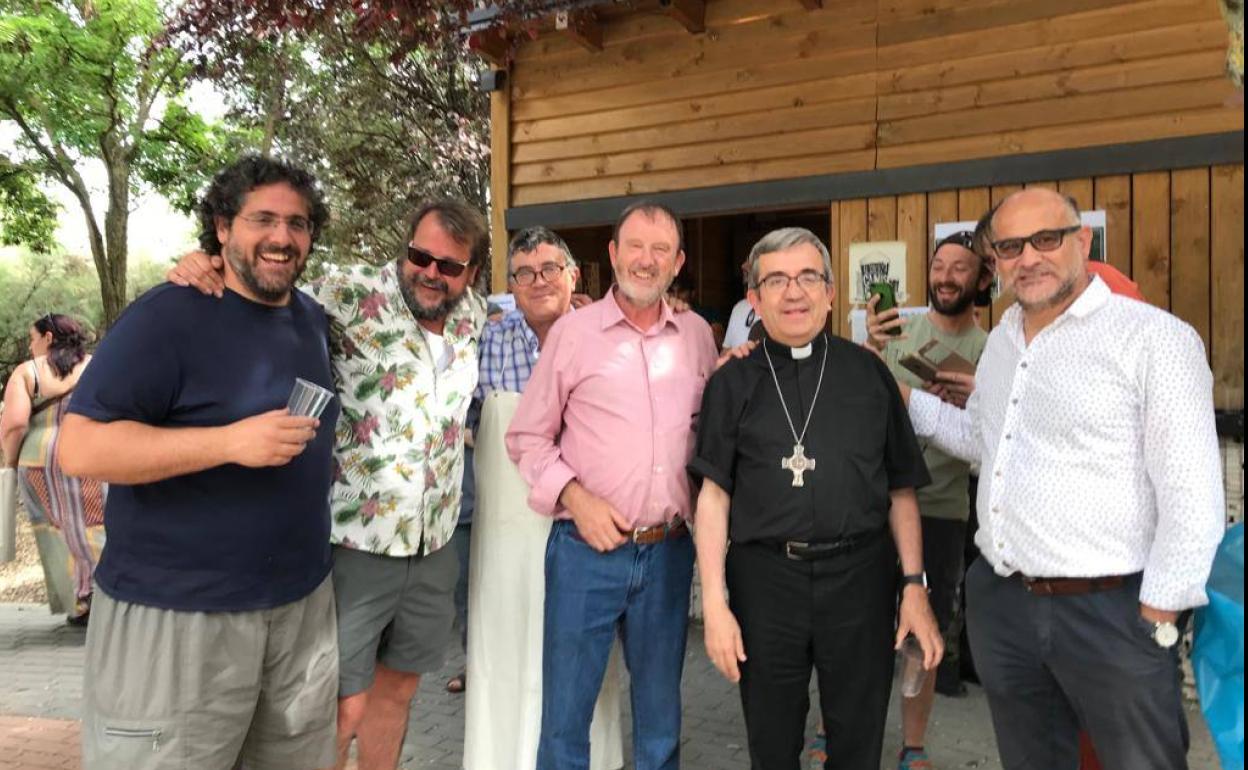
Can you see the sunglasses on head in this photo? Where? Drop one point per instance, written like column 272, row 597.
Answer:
column 446, row 267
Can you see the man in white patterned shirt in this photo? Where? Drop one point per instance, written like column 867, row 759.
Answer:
column 1100, row 501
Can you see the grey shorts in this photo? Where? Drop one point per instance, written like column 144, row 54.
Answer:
column 392, row 609
column 173, row 690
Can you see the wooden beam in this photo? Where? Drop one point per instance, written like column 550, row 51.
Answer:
column 492, row 44
column 690, row 13
column 500, row 186
column 812, row 5
column 582, row 27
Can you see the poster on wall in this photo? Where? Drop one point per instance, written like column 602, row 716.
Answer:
column 876, row 261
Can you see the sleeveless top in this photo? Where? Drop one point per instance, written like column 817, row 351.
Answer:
column 45, row 415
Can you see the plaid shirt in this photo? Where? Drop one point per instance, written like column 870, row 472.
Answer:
column 508, row 353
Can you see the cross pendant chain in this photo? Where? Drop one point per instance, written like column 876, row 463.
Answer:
column 798, row 463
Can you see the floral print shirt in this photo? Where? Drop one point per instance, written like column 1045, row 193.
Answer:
column 399, row 451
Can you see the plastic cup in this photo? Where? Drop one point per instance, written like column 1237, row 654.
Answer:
column 913, row 675
column 307, row 399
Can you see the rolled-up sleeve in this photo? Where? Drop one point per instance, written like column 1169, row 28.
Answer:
column 532, row 438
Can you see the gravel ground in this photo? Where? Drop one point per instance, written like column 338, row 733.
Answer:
column 22, row 579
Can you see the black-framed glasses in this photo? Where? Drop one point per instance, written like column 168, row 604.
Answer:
column 527, row 276
column 446, row 267
column 267, row 222
column 1041, row 240
column 807, row 280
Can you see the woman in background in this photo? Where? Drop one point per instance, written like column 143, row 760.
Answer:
column 67, row 514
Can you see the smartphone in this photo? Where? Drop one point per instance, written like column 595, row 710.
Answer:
column 888, row 300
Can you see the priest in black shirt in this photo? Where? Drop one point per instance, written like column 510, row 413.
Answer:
column 808, row 466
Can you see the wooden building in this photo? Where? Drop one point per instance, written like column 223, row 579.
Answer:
column 875, row 119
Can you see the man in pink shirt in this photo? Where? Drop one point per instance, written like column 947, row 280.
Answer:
column 602, row 435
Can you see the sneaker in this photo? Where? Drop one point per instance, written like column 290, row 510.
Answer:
column 910, row 759
column 817, row 751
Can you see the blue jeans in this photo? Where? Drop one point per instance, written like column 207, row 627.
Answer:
column 642, row 590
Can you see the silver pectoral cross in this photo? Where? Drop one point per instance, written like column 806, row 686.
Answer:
column 798, row 463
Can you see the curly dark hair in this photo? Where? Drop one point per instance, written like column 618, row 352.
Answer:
column 224, row 196
column 69, row 342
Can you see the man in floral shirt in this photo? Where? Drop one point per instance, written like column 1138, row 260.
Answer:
column 404, row 359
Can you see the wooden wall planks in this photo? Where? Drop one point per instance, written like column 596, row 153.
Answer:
column 1179, row 234
column 772, row 91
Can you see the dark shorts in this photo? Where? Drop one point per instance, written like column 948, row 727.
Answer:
column 943, row 544
column 397, row 610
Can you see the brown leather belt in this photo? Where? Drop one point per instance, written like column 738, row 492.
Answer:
column 658, row 533
column 1071, row 586
column 648, row 535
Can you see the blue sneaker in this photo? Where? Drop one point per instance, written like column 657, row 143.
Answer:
column 817, row 751
column 914, row 759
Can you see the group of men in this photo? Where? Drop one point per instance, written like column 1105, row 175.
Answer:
column 261, row 565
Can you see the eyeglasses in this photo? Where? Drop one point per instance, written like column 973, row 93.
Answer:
column 297, row 225
column 1041, row 240
column 807, row 280
column 447, row 267
column 550, row 272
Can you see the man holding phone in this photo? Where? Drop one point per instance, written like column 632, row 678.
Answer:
column 944, row 338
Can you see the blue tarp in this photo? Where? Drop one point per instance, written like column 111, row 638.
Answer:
column 1218, row 655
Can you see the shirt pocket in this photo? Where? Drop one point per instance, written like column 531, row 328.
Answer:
column 678, row 399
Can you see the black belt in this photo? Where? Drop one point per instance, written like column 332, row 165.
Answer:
column 800, row 550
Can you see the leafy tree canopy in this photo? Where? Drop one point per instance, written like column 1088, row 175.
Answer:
column 83, row 81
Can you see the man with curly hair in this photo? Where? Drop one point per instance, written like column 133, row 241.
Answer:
column 213, row 637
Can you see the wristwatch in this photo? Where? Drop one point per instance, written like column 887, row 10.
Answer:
column 918, row 579
column 1165, row 634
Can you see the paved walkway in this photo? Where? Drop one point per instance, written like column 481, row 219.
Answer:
column 41, row 691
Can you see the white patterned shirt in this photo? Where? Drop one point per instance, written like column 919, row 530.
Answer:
column 1098, row 450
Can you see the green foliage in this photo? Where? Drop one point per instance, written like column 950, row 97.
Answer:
column 27, row 215
column 381, row 132
column 88, row 81
column 36, row 284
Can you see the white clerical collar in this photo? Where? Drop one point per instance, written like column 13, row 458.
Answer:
column 803, row 352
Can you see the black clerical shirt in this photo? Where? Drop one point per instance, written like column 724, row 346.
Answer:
column 860, row 439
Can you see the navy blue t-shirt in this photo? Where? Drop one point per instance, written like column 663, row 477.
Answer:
column 228, row 538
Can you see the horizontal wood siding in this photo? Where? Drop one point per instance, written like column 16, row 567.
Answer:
column 773, row 91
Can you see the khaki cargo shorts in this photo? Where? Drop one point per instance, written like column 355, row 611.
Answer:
column 172, row 690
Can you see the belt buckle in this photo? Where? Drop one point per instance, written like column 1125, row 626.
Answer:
column 641, row 532
column 1036, row 587
column 788, row 549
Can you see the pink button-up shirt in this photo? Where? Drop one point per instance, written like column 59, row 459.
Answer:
column 613, row 406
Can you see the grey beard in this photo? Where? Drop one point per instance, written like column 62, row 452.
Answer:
column 1061, row 295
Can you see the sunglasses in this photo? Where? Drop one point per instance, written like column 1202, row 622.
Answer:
column 1042, row 240
column 446, row 267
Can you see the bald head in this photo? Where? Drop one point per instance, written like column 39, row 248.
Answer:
column 1031, row 200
